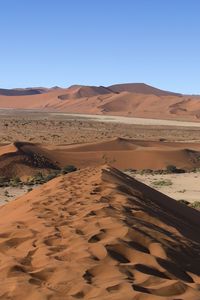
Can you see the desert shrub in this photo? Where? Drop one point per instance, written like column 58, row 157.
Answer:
column 3, row 181
column 174, row 169
column 38, row 178
column 196, row 205
column 29, row 189
column 182, row 191
column 29, row 182
column 68, row 169
column 41, row 178
column 146, row 171
column 15, row 181
column 6, row 194
column 51, row 176
column 162, row 183
column 129, row 170
column 171, row 169
column 184, row 202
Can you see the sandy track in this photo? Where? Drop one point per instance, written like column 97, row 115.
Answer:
column 131, row 120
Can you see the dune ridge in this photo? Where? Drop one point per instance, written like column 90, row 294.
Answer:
column 23, row 160
column 98, row 234
column 140, row 88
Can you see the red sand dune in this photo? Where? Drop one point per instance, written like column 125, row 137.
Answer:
column 140, row 88
column 125, row 154
column 98, row 234
column 26, row 91
column 17, row 162
column 138, row 100
column 26, row 159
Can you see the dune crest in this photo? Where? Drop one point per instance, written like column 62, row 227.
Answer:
column 98, row 234
column 22, row 159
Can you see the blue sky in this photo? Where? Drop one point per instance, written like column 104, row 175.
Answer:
column 100, row 42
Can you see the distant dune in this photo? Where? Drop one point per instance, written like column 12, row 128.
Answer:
column 98, row 234
column 130, row 100
column 22, row 92
column 77, row 92
column 125, row 154
column 27, row 159
column 140, row 88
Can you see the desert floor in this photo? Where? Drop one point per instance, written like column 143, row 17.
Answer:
column 61, row 128
column 177, row 186
column 97, row 233
column 58, row 129
column 9, row 193
column 132, row 120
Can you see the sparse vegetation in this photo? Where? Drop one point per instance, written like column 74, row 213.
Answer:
column 160, row 183
column 196, row 205
column 38, row 178
column 4, row 182
column 6, row 193
column 182, row 191
column 185, row 202
column 174, row 169
column 15, row 181
column 41, row 178
column 171, row 169
column 146, row 171
column 68, row 169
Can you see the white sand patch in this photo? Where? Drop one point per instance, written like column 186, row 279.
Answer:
column 131, row 120
column 184, row 186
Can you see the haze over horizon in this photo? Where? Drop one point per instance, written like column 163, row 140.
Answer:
column 62, row 43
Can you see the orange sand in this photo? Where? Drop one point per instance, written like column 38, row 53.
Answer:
column 26, row 159
column 98, row 234
column 138, row 100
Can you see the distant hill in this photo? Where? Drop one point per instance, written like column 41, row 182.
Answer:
column 139, row 88
column 21, row 92
column 80, row 91
column 26, row 91
column 128, row 99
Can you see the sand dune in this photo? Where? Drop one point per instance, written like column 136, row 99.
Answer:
column 76, row 92
column 26, row 91
column 23, row 160
column 98, row 234
column 140, row 88
column 136, row 100
column 125, row 154
column 26, row 159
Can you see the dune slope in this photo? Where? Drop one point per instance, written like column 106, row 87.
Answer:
column 124, row 154
column 131, row 99
column 23, row 159
column 140, row 88
column 98, row 234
